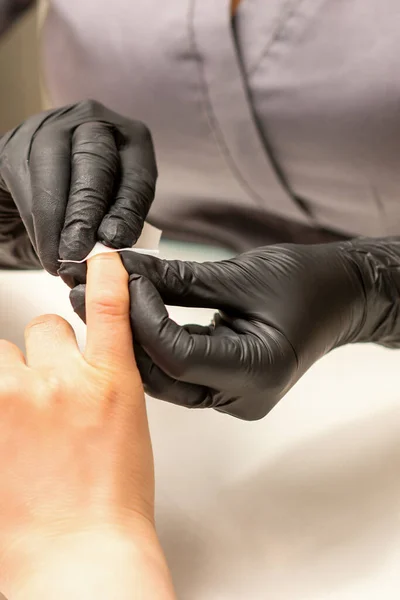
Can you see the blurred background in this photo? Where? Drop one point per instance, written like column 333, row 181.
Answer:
column 19, row 72
column 304, row 504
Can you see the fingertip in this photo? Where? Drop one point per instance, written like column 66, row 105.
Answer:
column 117, row 233
column 50, row 264
column 50, row 343
column 46, row 320
column 77, row 240
column 73, row 274
column 46, row 325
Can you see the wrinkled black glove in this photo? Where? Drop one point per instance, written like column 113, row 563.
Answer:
column 281, row 308
column 68, row 178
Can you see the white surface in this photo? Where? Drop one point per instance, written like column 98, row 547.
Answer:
column 303, row 505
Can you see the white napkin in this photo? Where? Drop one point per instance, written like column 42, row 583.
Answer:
column 148, row 243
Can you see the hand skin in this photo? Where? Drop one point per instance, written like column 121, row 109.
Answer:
column 76, row 464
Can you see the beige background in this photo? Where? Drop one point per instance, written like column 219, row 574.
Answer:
column 19, row 80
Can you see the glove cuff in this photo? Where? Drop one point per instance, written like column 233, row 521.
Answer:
column 378, row 261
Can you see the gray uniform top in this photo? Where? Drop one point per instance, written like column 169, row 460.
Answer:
column 283, row 125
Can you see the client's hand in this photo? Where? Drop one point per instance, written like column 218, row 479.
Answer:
column 76, row 465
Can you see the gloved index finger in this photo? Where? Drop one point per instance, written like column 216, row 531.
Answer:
column 186, row 283
column 123, row 223
column 50, row 178
column 94, row 170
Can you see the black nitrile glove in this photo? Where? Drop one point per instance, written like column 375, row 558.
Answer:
column 281, row 308
column 68, row 178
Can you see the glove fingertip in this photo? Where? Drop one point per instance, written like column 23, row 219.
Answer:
column 73, row 274
column 77, row 299
column 116, row 233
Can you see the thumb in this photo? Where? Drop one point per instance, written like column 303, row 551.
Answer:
column 180, row 352
column 184, row 283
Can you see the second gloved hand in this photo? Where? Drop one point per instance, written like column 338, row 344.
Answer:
column 281, row 308
column 69, row 177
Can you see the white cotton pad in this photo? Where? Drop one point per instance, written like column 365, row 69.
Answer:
column 147, row 244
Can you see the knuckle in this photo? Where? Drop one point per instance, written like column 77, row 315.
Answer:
column 91, row 107
column 45, row 323
column 54, row 389
column 47, row 392
column 143, row 131
column 42, row 143
column 93, row 131
column 142, row 134
column 6, row 143
column 109, row 304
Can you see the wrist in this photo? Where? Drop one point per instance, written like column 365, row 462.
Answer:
column 378, row 263
column 94, row 562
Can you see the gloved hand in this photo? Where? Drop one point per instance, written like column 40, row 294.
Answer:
column 281, row 308
column 69, row 177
